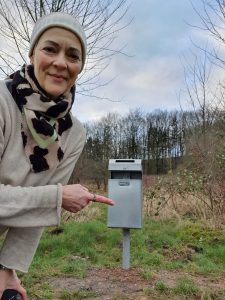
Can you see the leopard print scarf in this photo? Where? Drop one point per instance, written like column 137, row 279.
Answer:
column 44, row 119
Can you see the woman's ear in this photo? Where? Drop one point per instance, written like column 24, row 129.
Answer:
column 32, row 59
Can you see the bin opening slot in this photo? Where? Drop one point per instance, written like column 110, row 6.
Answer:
column 126, row 175
column 125, row 160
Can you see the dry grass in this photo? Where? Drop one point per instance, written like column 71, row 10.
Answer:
column 159, row 202
column 164, row 201
column 89, row 212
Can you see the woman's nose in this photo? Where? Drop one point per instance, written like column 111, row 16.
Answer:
column 60, row 61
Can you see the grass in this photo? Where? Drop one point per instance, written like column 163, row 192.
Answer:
column 159, row 245
column 186, row 286
column 161, row 286
column 78, row 294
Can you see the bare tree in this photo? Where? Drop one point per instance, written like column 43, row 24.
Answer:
column 205, row 139
column 205, row 89
column 212, row 17
column 101, row 19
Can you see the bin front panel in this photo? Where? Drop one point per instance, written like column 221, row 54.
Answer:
column 127, row 194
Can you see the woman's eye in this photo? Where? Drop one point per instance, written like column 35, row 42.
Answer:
column 49, row 49
column 74, row 57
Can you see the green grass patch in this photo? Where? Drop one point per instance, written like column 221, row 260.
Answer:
column 206, row 265
column 78, row 294
column 40, row 292
column 174, row 265
column 147, row 273
column 186, row 286
column 159, row 245
column 161, row 286
column 212, row 295
column 197, row 233
column 75, row 268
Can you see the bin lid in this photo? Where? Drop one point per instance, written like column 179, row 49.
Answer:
column 125, row 165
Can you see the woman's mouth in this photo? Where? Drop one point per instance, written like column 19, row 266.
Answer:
column 57, row 78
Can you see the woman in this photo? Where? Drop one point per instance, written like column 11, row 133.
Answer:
column 40, row 143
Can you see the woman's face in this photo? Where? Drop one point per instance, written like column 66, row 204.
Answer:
column 57, row 60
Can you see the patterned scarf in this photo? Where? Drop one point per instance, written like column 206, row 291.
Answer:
column 44, row 119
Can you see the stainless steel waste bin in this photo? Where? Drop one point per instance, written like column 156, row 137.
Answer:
column 125, row 188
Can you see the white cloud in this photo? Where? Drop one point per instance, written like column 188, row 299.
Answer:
column 149, row 86
column 158, row 40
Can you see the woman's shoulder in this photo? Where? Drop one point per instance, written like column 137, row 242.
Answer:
column 77, row 130
column 78, row 126
column 4, row 94
column 5, row 88
column 75, row 137
column 8, row 108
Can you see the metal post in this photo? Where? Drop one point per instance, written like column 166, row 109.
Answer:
column 126, row 248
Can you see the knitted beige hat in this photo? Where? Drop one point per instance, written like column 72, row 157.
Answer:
column 58, row 19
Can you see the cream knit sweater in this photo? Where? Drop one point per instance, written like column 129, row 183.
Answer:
column 29, row 201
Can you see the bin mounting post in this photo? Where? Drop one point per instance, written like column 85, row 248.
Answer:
column 126, row 248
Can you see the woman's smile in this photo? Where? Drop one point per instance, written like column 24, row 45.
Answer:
column 57, row 78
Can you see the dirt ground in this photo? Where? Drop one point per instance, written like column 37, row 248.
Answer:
column 114, row 284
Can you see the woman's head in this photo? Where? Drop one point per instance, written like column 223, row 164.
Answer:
column 58, row 52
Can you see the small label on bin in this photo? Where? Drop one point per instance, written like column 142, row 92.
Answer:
column 124, row 183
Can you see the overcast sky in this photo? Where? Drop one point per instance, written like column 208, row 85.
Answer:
column 158, row 42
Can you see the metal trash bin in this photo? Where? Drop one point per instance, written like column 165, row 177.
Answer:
column 125, row 188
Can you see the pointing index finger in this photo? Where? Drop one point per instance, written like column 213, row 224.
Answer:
column 104, row 200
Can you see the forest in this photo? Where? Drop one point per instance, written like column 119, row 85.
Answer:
column 162, row 139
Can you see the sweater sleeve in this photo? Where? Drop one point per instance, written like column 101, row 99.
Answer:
column 30, row 206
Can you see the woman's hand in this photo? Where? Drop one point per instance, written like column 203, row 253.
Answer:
column 75, row 197
column 9, row 280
